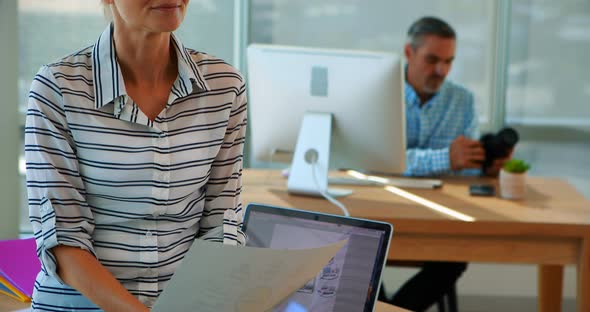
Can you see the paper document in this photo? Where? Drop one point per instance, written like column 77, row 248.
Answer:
column 216, row 277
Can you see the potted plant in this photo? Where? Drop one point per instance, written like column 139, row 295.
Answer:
column 513, row 179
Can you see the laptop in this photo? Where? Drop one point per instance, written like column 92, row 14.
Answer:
column 350, row 281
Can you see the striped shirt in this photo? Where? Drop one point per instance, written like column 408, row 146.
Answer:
column 134, row 193
column 432, row 127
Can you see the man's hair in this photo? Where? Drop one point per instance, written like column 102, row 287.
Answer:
column 429, row 25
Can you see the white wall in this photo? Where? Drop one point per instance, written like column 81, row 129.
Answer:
column 9, row 126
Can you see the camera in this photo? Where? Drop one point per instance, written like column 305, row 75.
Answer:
column 498, row 145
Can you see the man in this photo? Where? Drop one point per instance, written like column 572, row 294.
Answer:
column 441, row 139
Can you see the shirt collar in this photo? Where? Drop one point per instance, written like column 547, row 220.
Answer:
column 188, row 70
column 108, row 79
column 414, row 100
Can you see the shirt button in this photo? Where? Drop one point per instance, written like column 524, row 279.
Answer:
column 162, row 135
column 155, row 214
column 148, row 234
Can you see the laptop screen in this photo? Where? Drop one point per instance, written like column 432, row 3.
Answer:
column 350, row 281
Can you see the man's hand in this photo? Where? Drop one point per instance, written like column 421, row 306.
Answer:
column 494, row 169
column 465, row 153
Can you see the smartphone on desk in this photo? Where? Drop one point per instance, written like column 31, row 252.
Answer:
column 482, row 190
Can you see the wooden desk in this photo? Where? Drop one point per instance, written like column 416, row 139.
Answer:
column 9, row 304
column 551, row 227
column 384, row 307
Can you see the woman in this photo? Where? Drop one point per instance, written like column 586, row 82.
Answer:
column 133, row 148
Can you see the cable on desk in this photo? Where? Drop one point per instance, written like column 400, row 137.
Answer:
column 314, row 166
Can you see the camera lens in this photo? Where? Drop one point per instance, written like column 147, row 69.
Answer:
column 508, row 137
column 498, row 145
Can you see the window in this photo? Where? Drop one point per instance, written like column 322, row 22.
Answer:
column 546, row 97
column 549, row 87
column 548, row 83
column 382, row 25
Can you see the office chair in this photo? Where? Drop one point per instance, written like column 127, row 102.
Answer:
column 448, row 301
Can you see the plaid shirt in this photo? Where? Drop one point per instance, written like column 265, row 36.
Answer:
column 431, row 128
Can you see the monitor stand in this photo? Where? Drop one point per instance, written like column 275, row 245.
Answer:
column 309, row 168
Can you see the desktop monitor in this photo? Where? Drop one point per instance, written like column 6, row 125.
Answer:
column 362, row 91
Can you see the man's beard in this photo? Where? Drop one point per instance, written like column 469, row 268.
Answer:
column 433, row 84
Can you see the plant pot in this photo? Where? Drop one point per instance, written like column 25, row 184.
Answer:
column 512, row 185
